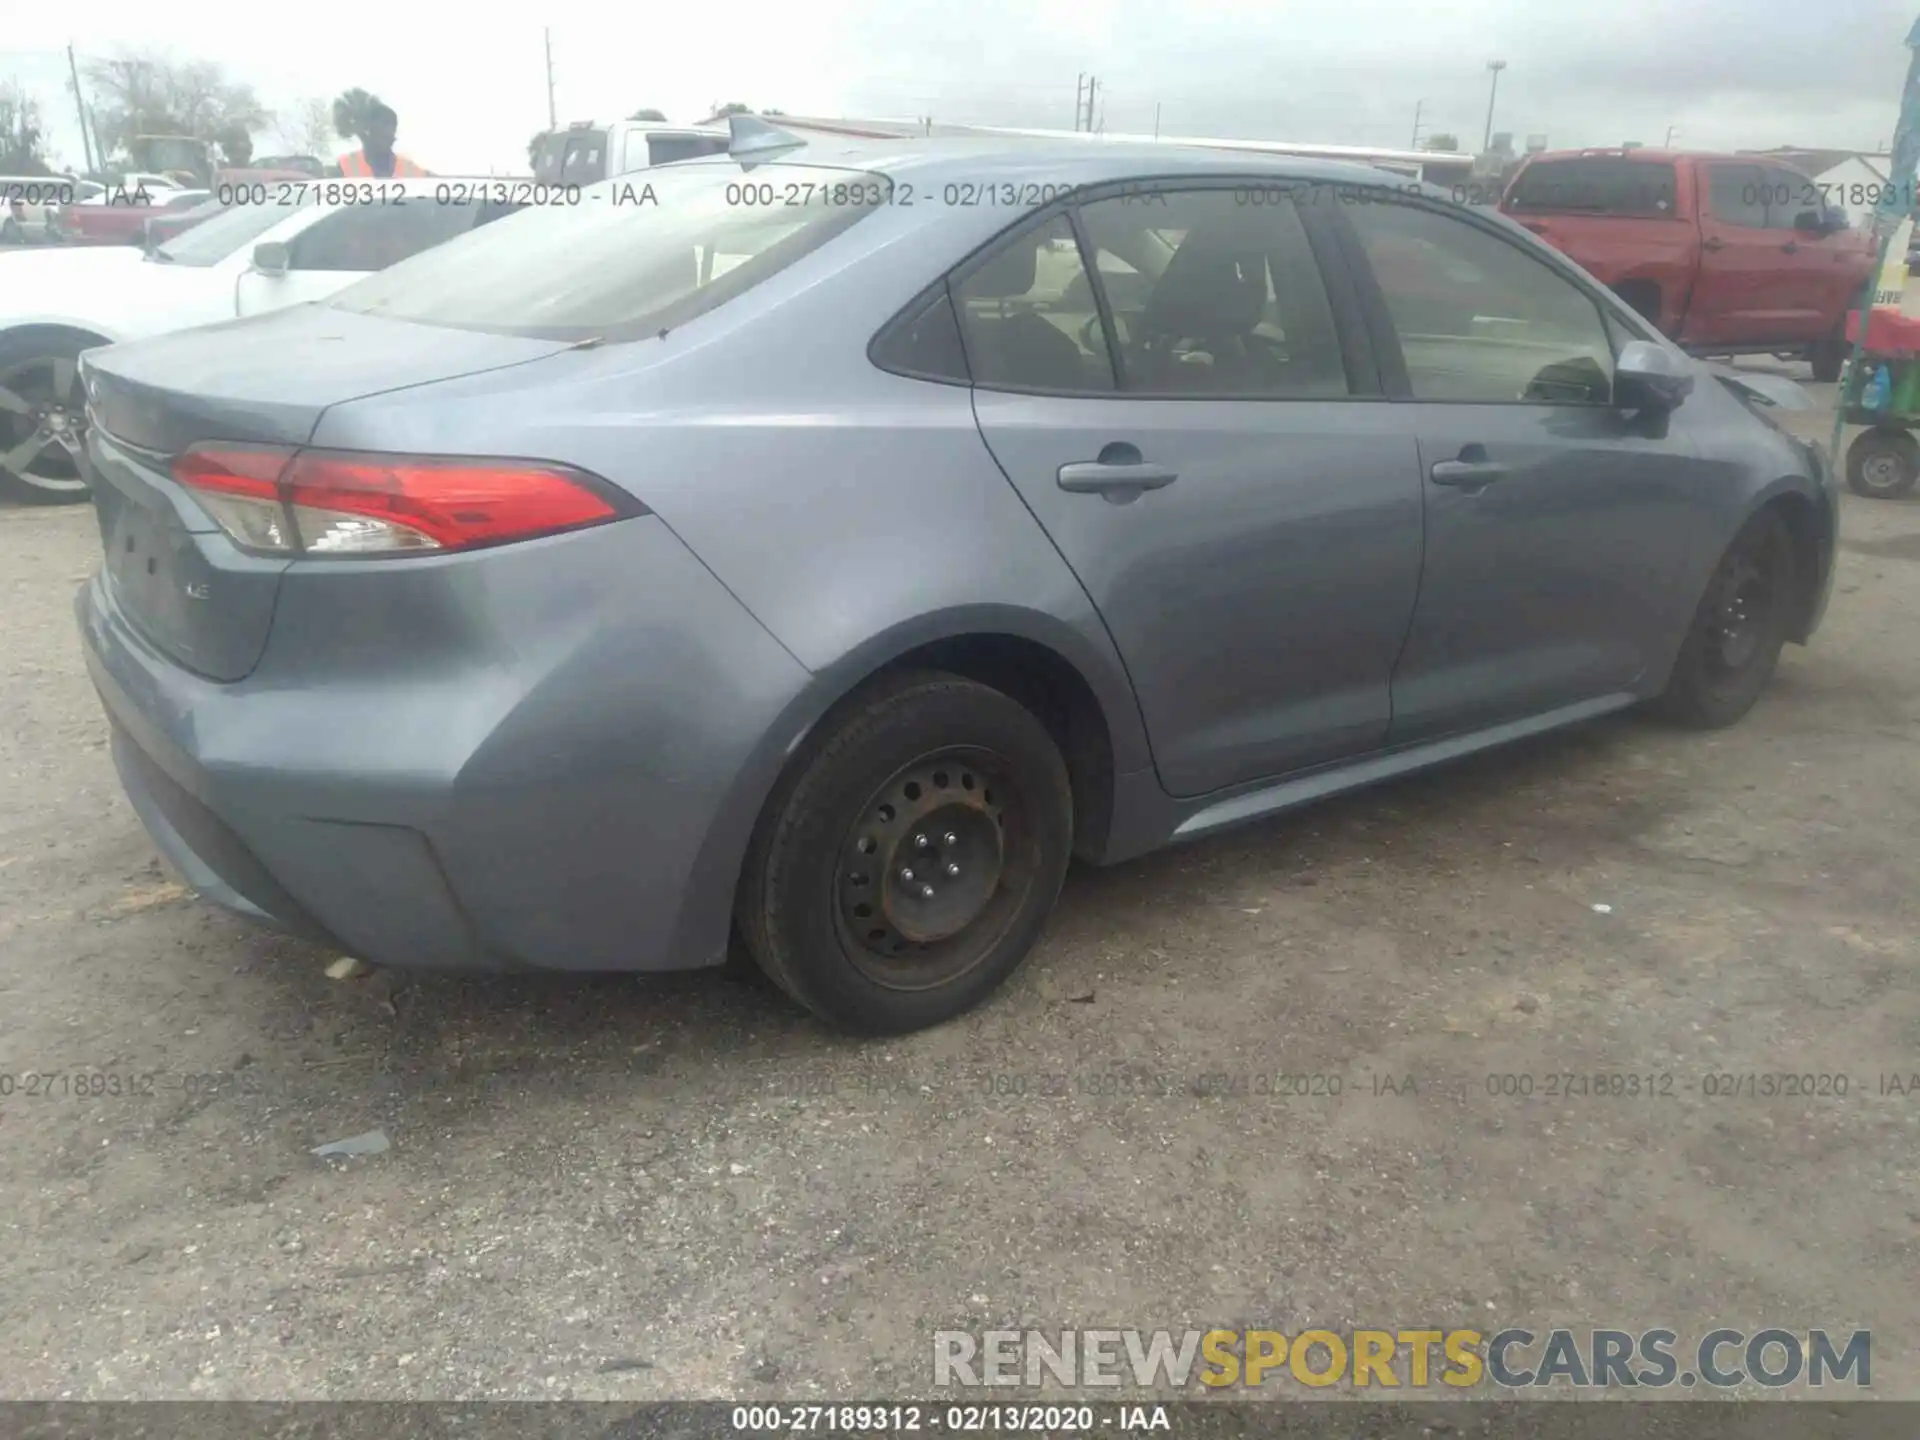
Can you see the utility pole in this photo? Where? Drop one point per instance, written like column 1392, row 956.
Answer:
column 80, row 104
column 1493, row 89
column 1079, row 100
column 553, row 119
column 1093, row 88
column 1669, row 142
column 1417, row 105
column 1156, row 119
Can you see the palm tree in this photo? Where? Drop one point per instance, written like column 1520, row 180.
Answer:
column 350, row 111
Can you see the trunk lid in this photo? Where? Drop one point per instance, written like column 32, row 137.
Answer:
column 180, row 582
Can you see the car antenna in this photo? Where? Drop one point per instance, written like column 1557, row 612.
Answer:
column 752, row 141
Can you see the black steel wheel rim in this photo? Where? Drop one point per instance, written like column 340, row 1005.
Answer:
column 1744, row 599
column 934, row 869
column 43, row 424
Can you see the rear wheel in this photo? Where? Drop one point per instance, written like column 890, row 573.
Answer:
column 904, row 867
column 1734, row 644
column 1883, row 464
column 43, row 416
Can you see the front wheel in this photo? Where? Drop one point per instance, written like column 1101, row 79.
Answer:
column 1734, row 643
column 905, row 865
column 1883, row 464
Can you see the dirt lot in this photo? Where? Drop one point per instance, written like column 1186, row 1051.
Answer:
column 651, row 1188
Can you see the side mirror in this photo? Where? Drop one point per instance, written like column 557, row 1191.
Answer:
column 270, row 257
column 1810, row 222
column 1651, row 377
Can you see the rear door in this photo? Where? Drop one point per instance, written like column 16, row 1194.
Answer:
column 1206, row 454
column 353, row 241
column 1557, row 527
column 1744, row 293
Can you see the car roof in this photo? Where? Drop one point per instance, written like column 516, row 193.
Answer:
column 999, row 159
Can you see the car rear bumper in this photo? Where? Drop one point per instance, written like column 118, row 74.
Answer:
column 558, row 790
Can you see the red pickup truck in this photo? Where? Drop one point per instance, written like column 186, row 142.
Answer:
column 1727, row 254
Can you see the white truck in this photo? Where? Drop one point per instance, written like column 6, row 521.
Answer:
column 589, row 150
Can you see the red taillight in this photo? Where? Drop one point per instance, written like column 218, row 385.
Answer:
column 324, row 503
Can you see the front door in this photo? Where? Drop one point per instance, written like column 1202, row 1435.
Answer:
column 1191, row 438
column 1742, row 295
column 1558, row 528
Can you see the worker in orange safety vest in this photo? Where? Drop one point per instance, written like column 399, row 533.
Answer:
column 376, row 157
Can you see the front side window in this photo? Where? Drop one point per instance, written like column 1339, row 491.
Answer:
column 1479, row 319
column 1028, row 318
column 630, row 258
column 1211, row 295
column 1736, row 195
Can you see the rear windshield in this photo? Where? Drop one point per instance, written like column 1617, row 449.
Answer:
column 571, row 157
column 1595, row 185
column 646, row 252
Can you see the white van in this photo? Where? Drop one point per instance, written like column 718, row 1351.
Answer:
column 587, row 151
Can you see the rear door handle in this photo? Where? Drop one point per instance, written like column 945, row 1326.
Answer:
column 1114, row 478
column 1791, row 248
column 1713, row 243
column 1469, row 474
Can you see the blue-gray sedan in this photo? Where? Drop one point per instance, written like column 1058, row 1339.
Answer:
column 821, row 547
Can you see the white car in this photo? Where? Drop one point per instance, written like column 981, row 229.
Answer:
column 299, row 243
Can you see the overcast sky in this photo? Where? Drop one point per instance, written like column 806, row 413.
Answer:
column 1724, row 74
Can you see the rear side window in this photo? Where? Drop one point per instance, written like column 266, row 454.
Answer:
column 665, row 149
column 1029, row 319
column 622, row 262
column 371, row 237
column 1595, row 185
column 924, row 343
column 571, row 157
column 1213, row 296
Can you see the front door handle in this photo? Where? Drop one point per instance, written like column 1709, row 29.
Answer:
column 1713, row 242
column 1120, row 474
column 1791, row 248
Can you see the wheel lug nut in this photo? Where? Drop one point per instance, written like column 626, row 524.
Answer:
column 906, row 875
column 920, row 842
column 952, row 869
column 926, row 892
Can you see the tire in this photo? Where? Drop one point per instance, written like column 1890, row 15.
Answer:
column 1827, row 356
column 1737, row 633
column 928, row 756
column 11, row 233
column 1883, row 464
column 38, row 377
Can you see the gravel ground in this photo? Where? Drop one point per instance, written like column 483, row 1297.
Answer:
column 646, row 1188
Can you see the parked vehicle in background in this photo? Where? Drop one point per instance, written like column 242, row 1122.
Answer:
column 238, row 260
column 30, row 205
column 585, row 152
column 101, row 222
column 311, row 166
column 1725, row 254
column 529, row 605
